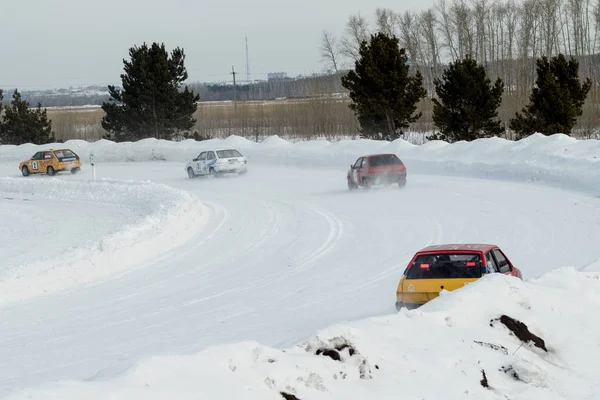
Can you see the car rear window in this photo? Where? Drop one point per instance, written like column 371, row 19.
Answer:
column 379, row 161
column 445, row 266
column 228, row 153
column 63, row 154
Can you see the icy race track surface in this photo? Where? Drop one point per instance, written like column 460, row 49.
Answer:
column 287, row 251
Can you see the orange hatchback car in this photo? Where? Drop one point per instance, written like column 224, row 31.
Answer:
column 50, row 162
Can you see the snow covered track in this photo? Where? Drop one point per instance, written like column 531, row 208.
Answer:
column 150, row 219
column 287, row 250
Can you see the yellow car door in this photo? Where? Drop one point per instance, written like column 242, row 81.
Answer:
column 34, row 164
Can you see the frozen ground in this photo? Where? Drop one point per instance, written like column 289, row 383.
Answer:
column 286, row 251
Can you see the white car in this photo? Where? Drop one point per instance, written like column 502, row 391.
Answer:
column 217, row 162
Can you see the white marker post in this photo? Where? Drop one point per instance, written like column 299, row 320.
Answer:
column 93, row 164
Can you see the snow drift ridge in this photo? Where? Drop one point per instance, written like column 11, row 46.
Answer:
column 441, row 351
column 167, row 217
column 557, row 160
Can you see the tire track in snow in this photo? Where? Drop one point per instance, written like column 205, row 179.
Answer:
column 335, row 233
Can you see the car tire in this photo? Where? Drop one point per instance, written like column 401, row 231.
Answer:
column 366, row 184
column 213, row 173
column 401, row 185
column 75, row 170
column 50, row 171
column 351, row 185
column 190, row 172
column 25, row 171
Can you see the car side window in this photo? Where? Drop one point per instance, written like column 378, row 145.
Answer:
column 491, row 263
column 358, row 162
column 38, row 156
column 211, row 155
column 47, row 155
column 202, row 156
column 364, row 163
column 503, row 266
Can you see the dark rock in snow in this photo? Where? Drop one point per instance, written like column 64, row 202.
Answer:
column 333, row 354
column 522, row 332
column 288, row 396
column 484, row 381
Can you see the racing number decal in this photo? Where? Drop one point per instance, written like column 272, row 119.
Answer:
column 356, row 175
column 34, row 165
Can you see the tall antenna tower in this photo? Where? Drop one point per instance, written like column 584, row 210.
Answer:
column 247, row 62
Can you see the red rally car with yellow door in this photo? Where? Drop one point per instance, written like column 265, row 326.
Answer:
column 449, row 267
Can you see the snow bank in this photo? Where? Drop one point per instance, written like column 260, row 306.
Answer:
column 557, row 160
column 167, row 219
column 440, row 351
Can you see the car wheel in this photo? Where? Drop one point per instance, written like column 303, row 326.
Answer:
column 25, row 171
column 351, row 185
column 191, row 173
column 401, row 185
column 366, row 184
column 213, row 173
column 50, row 171
column 75, row 170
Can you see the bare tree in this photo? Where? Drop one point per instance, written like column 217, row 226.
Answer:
column 329, row 50
column 447, row 28
column 386, row 21
column 357, row 31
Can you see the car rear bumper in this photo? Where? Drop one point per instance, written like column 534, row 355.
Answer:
column 231, row 169
column 415, row 298
column 386, row 178
column 410, row 306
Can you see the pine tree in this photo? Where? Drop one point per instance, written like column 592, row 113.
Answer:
column 150, row 103
column 468, row 103
column 556, row 100
column 24, row 125
column 384, row 95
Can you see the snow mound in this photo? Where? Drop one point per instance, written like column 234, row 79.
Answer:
column 167, row 218
column 275, row 141
column 556, row 160
column 497, row 338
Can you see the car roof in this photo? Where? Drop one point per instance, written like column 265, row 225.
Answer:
column 459, row 247
column 380, row 154
column 221, row 149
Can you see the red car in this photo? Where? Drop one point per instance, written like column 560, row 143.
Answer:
column 449, row 267
column 376, row 169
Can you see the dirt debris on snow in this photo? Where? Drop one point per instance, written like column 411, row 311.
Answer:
column 493, row 346
column 288, row 396
column 337, row 348
column 484, row 381
column 510, row 371
column 521, row 331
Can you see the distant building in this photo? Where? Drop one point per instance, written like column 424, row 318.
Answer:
column 276, row 75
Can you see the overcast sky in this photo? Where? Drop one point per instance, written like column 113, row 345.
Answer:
column 62, row 43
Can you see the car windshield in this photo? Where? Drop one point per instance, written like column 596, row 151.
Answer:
column 62, row 154
column 445, row 266
column 228, row 153
column 379, row 161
